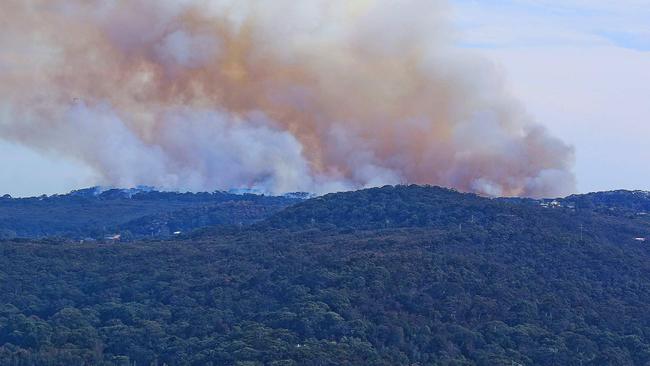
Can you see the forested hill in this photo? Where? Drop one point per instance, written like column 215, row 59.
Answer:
column 603, row 214
column 95, row 214
column 387, row 276
column 131, row 213
column 635, row 202
column 388, row 207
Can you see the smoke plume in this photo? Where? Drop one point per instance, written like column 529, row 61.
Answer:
column 282, row 95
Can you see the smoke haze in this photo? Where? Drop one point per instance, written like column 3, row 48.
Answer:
column 313, row 95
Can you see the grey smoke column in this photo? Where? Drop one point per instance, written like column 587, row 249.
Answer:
column 315, row 95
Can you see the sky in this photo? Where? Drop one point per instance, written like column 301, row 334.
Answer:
column 580, row 67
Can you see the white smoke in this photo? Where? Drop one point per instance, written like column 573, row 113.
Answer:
column 279, row 96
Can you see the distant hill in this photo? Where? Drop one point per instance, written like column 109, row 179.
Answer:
column 143, row 212
column 434, row 207
column 387, row 276
column 94, row 213
column 634, row 202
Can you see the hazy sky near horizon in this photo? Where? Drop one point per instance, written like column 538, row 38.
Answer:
column 580, row 67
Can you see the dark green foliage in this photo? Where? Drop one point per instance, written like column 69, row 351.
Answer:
column 451, row 279
column 132, row 213
column 636, row 202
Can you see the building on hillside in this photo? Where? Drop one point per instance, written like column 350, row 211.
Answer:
column 113, row 237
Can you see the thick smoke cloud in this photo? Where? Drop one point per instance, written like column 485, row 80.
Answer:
column 283, row 95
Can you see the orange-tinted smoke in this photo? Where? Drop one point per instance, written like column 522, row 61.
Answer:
column 315, row 95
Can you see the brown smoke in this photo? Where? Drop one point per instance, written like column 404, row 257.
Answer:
column 283, row 95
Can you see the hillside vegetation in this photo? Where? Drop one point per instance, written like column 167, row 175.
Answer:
column 387, row 276
column 132, row 214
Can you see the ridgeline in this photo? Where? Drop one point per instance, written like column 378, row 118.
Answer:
column 387, row 276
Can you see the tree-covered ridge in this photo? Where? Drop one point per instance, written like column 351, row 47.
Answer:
column 493, row 282
column 426, row 206
column 620, row 201
column 94, row 214
column 386, row 207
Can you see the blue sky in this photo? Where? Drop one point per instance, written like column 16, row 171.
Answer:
column 530, row 23
column 581, row 68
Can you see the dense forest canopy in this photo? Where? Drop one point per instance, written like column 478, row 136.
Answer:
column 93, row 214
column 387, row 276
